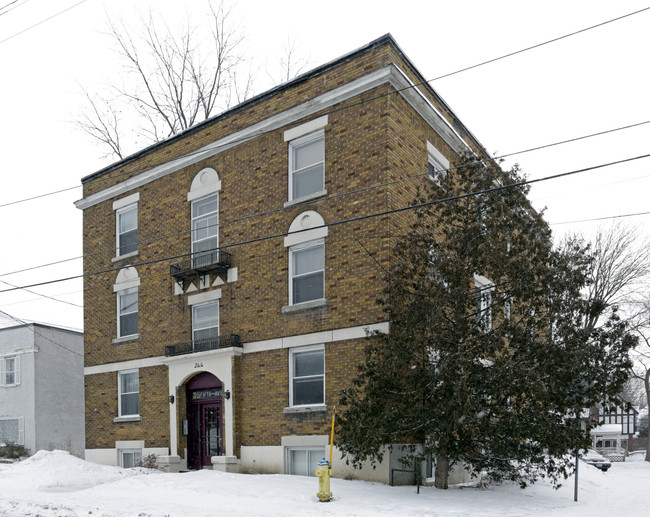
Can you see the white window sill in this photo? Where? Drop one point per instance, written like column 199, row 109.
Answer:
column 308, row 197
column 126, row 339
column 130, row 418
column 125, row 256
column 317, row 408
column 304, row 306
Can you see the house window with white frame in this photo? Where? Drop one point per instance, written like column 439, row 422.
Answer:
column 483, row 291
column 12, row 430
column 205, row 226
column 127, row 230
column 307, row 165
column 127, row 313
column 128, row 383
column 303, row 461
column 130, row 458
column 307, row 376
column 9, row 371
column 307, row 272
column 205, row 322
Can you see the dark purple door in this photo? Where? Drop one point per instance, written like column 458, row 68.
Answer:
column 205, row 420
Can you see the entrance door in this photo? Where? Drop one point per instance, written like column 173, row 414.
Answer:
column 205, row 421
column 206, row 434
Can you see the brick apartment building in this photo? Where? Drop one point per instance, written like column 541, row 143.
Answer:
column 234, row 306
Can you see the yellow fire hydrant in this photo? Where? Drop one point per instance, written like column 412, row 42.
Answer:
column 323, row 472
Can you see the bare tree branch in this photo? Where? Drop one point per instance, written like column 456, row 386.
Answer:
column 291, row 63
column 174, row 78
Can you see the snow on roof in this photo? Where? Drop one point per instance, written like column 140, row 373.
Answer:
column 607, row 429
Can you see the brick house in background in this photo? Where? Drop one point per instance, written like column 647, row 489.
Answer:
column 41, row 388
column 247, row 264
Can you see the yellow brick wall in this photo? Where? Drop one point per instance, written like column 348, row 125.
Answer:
column 381, row 140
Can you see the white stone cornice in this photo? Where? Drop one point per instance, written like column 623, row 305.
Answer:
column 389, row 74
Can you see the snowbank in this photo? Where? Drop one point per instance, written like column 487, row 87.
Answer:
column 56, row 484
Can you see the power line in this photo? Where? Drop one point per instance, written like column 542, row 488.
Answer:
column 14, row 7
column 604, row 218
column 350, row 192
column 36, row 332
column 426, row 82
column 346, row 221
column 43, row 295
column 41, row 22
column 540, row 44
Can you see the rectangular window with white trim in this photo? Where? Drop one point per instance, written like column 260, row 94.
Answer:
column 130, row 458
column 12, row 430
column 9, row 371
column 307, row 376
column 303, row 461
column 307, row 272
column 127, row 230
column 128, row 383
column 205, row 325
column 307, row 166
column 127, row 312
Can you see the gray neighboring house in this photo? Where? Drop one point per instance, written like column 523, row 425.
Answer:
column 42, row 388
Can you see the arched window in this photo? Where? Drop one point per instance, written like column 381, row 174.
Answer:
column 126, row 291
column 306, row 243
column 204, row 196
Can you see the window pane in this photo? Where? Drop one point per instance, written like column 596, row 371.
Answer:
column 129, row 324
column 314, row 457
column 308, row 287
column 128, row 242
column 308, row 391
column 308, row 363
column 130, row 404
column 308, row 153
column 205, row 227
column 129, row 302
column 308, row 181
column 10, row 370
column 128, row 220
column 205, row 315
column 298, row 461
column 9, row 431
column 306, row 261
column 205, row 206
column 130, row 382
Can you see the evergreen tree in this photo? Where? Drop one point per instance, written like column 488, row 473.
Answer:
column 487, row 362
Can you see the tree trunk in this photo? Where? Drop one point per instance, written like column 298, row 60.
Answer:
column 442, row 471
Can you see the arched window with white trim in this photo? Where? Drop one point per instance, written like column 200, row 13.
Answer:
column 204, row 196
column 126, row 291
column 306, row 243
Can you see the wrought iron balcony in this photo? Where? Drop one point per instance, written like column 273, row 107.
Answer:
column 203, row 345
column 203, row 262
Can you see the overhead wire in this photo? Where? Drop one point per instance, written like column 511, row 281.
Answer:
column 321, row 200
column 345, row 221
column 348, row 106
column 41, row 22
column 390, row 93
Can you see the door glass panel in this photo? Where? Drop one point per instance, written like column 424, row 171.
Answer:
column 212, row 432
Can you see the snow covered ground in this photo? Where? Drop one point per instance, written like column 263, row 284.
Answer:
column 56, row 484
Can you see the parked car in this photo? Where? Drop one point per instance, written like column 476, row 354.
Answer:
column 593, row 457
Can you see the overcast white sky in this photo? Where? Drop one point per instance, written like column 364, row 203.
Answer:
column 591, row 82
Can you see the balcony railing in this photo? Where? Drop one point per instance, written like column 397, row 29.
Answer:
column 215, row 260
column 203, row 345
